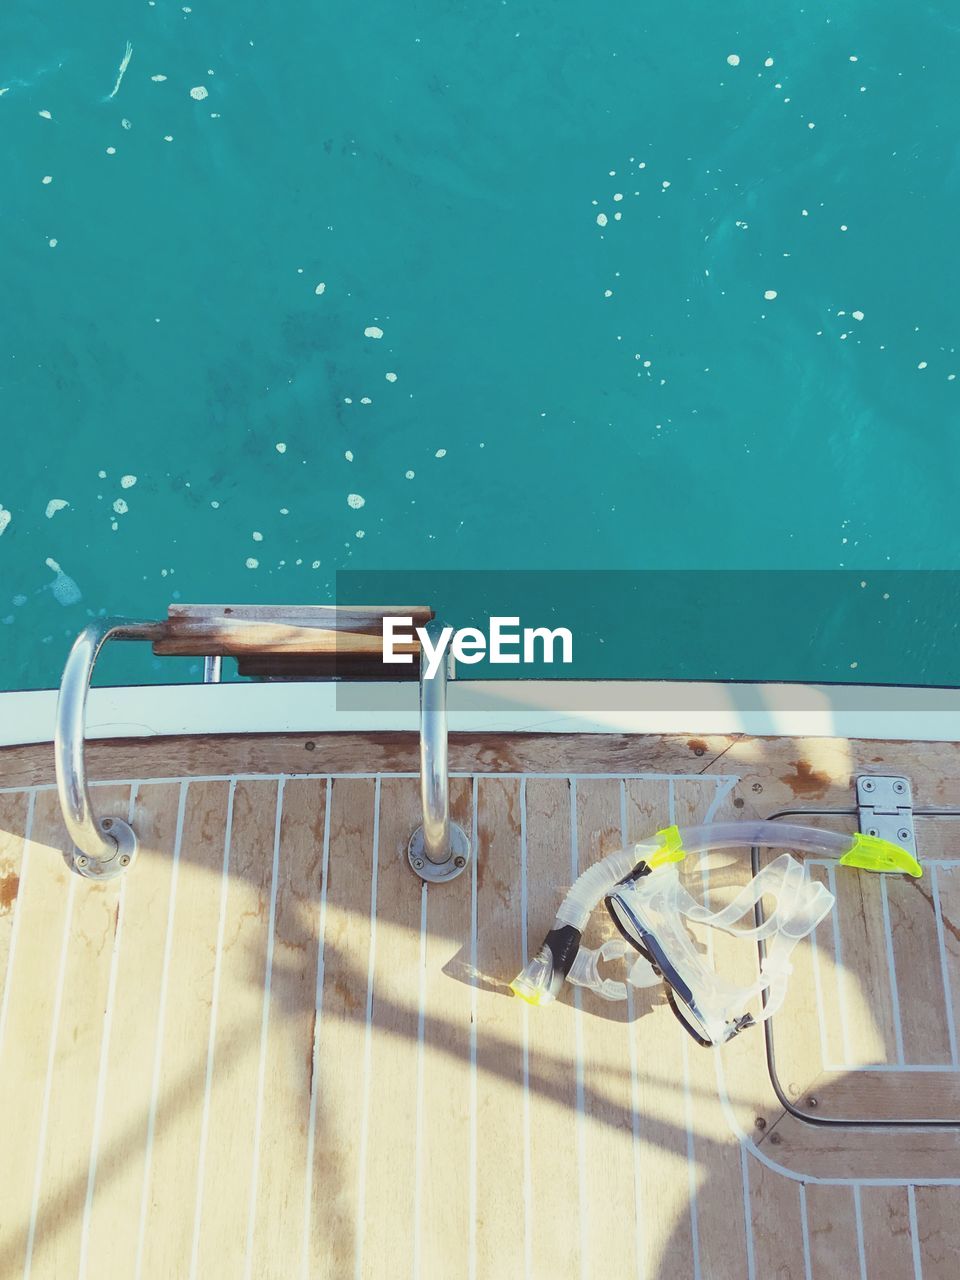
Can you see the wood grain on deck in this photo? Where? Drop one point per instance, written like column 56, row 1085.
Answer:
column 269, row 1051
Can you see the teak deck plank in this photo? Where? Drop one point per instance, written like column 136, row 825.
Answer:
column 498, row 1167
column 333, row 1224
column 604, row 1061
column 284, row 1154
column 268, row 1050
column 554, row 1234
column 887, row 1243
column 444, row 1219
column 667, row 1212
column 720, row 1200
column 128, row 1060
column 832, row 1232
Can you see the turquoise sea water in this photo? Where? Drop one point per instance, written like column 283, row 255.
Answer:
column 564, row 220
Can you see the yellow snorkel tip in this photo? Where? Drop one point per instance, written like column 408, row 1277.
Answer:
column 535, row 984
column 529, row 994
column 871, row 853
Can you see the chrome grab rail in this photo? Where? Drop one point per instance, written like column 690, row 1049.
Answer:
column 439, row 849
column 102, row 849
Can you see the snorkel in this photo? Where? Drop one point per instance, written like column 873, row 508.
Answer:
column 641, row 888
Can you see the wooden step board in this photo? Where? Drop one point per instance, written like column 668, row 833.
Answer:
column 294, row 642
column 269, row 1051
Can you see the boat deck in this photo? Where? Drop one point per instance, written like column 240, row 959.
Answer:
column 269, row 1051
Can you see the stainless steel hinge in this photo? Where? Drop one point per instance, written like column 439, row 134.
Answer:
column 885, row 809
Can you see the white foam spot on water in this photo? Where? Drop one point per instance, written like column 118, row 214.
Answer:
column 280, row 447
column 356, row 501
column 349, row 455
column 158, row 79
column 922, row 364
column 46, row 180
column 215, row 504
column 111, row 151
column 617, row 216
column 733, row 59
column 843, row 226
column 608, row 293
column 441, row 453
column 102, row 475
column 601, row 219
column 854, row 58
column 409, row 474
column 120, row 507
column 5, row 517
column 55, row 505
column 811, row 125
column 665, row 185
column 53, row 242
column 365, row 400
column 65, row 590
column 390, row 377
column 857, row 315
column 127, row 482
column 252, row 562
column 199, row 92
column 768, row 62
column 770, row 294
column 168, row 137
column 321, row 288
column 46, row 114
column 257, row 536
column 618, row 196
column 372, row 331
column 360, row 533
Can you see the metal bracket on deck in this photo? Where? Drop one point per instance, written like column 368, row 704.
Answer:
column 885, row 809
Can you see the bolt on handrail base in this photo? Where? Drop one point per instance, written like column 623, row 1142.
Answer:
column 439, row 872
column 124, row 836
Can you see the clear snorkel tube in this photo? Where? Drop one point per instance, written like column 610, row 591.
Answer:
column 647, row 903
